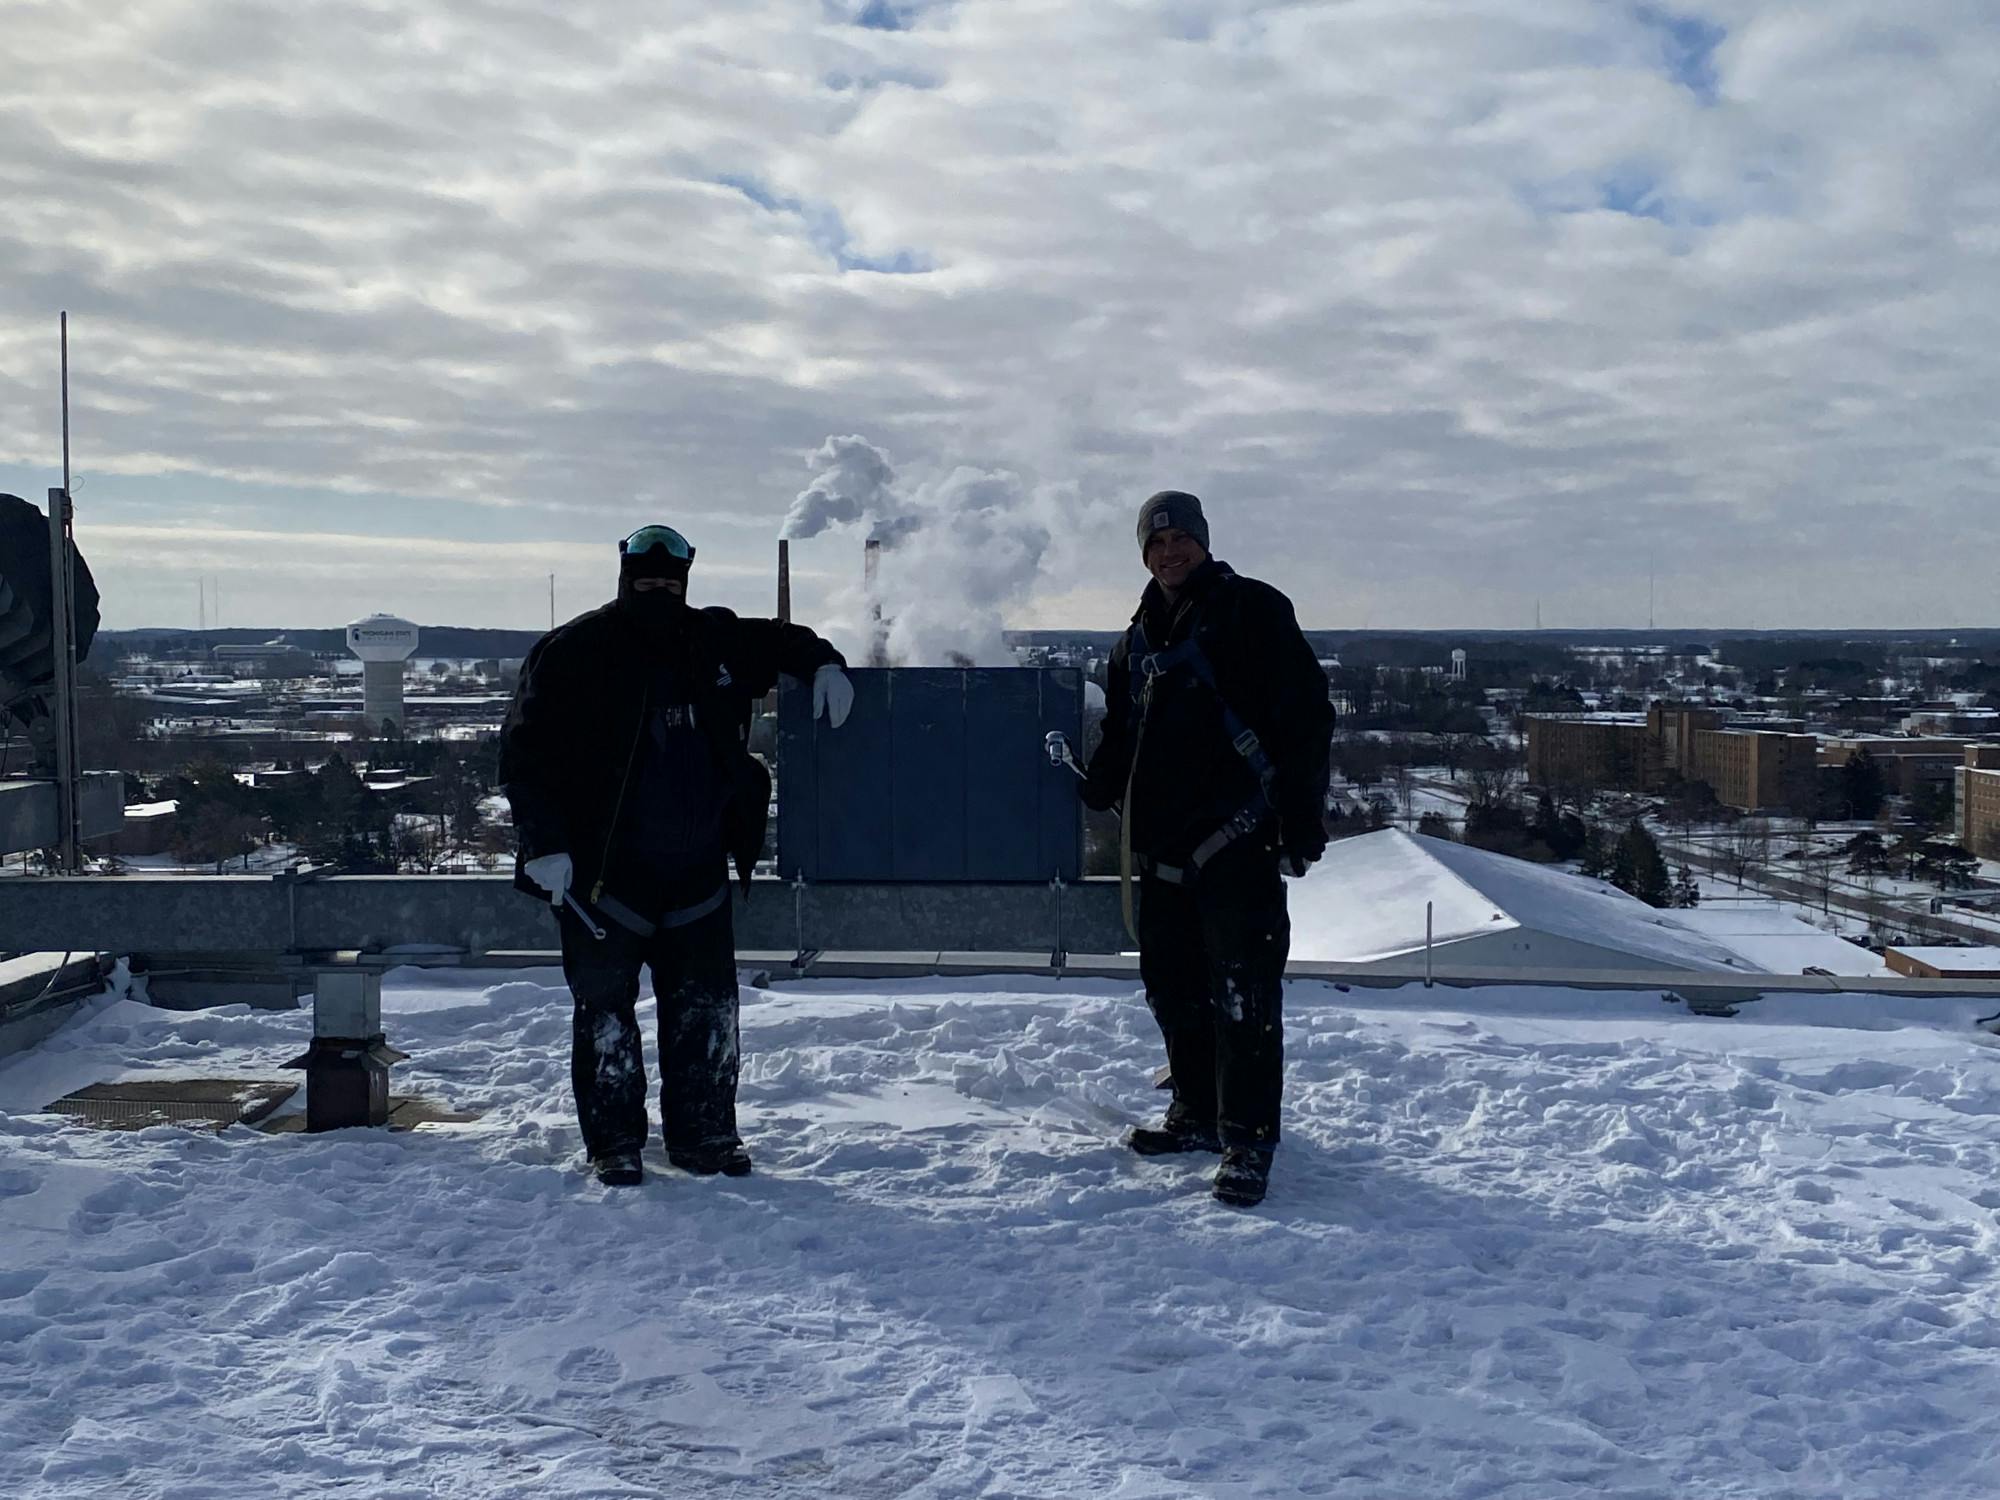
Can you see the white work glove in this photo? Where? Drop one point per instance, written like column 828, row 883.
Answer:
column 552, row 872
column 833, row 695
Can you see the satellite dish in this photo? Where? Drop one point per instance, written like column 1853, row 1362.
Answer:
column 27, row 634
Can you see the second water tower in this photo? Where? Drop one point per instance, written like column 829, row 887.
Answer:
column 383, row 643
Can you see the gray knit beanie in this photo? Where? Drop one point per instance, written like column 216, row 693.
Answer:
column 1172, row 508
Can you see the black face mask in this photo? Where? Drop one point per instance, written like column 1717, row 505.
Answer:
column 657, row 612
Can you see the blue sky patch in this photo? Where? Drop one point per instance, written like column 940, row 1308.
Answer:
column 757, row 193
column 822, row 224
column 1634, row 190
column 1690, row 44
column 1634, row 193
column 840, row 81
column 881, row 15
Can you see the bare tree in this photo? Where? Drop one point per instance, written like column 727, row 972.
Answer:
column 1746, row 847
column 1403, row 776
column 1452, row 750
column 1492, row 774
column 1817, row 867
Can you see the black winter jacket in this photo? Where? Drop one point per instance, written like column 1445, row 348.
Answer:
column 569, row 745
column 1190, row 779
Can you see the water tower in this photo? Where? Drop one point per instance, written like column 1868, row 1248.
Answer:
column 384, row 643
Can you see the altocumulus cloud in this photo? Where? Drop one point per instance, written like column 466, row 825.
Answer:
column 1445, row 307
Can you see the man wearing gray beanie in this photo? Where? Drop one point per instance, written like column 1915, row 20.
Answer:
column 1216, row 732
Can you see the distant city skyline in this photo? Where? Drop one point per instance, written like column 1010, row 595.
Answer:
column 1451, row 314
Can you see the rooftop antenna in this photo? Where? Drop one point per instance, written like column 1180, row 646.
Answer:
column 552, row 601
column 1649, row 591
column 62, row 588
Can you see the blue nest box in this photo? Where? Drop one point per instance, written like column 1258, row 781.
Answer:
column 938, row 774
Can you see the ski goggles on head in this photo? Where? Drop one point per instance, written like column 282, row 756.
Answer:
column 657, row 539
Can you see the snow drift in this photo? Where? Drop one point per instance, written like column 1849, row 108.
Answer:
column 1520, row 1243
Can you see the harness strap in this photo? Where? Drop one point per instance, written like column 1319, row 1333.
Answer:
column 1149, row 667
column 1245, row 821
column 1153, row 665
column 1125, row 826
column 683, row 916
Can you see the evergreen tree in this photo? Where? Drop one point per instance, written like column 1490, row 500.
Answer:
column 1687, row 892
column 1435, row 825
column 1624, row 868
column 1594, row 854
column 1638, row 861
column 1866, row 854
column 1544, row 826
column 1861, row 786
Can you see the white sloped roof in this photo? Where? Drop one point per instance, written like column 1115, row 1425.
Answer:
column 1772, row 939
column 1365, row 901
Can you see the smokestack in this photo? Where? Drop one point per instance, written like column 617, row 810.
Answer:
column 871, row 566
column 784, row 580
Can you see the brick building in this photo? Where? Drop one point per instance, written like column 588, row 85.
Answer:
column 1748, row 768
column 1978, row 801
column 1591, row 750
column 1908, row 765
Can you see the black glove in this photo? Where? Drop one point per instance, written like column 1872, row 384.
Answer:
column 1302, row 847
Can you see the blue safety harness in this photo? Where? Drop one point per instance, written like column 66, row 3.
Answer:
column 1147, row 667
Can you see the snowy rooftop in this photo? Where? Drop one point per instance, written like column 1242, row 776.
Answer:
column 1957, row 960
column 1521, row 1243
column 1769, row 937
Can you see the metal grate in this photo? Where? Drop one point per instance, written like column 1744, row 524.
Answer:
column 198, row 1103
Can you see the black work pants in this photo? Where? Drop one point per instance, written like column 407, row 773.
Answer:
column 1212, row 955
column 694, row 981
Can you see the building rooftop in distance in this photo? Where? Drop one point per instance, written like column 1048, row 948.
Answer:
column 1948, row 963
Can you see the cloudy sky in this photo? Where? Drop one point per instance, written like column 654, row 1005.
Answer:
column 1444, row 306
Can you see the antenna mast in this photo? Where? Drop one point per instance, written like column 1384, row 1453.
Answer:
column 62, row 590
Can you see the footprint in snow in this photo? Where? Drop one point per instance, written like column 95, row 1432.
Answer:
column 590, row 1366
column 16, row 1182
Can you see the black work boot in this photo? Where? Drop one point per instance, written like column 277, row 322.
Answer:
column 1171, row 1139
column 729, row 1158
column 618, row 1169
column 1241, row 1179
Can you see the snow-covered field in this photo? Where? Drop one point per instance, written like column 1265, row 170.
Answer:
column 1520, row 1243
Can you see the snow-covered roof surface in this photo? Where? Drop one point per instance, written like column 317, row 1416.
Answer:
column 1959, row 960
column 30, row 966
column 1365, row 901
column 1772, row 939
column 1521, row 1243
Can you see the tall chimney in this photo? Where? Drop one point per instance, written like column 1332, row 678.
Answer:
column 784, row 580
column 871, row 568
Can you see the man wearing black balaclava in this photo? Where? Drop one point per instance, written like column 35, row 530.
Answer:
column 626, row 759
